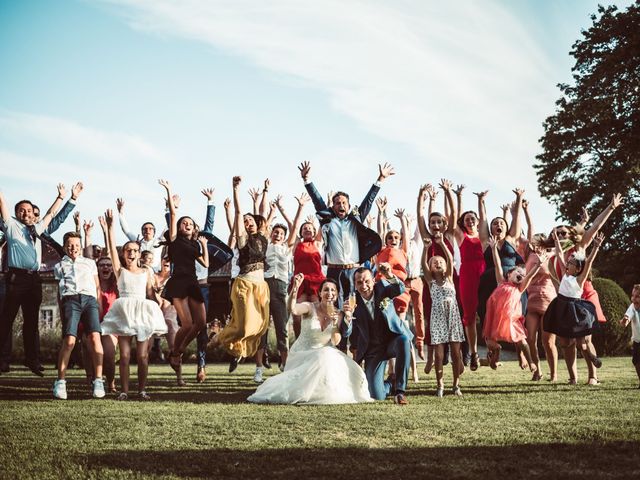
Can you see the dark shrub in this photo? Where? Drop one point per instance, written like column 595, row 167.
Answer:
column 611, row 338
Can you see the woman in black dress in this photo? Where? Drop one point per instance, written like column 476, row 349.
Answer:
column 185, row 247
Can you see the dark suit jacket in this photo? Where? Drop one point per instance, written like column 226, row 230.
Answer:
column 358, row 330
column 369, row 242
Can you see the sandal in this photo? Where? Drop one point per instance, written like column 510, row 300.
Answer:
column 593, row 381
column 473, row 366
column 536, row 376
column 181, row 383
column 144, row 396
column 122, row 396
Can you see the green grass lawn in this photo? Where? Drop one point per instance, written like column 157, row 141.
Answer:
column 505, row 426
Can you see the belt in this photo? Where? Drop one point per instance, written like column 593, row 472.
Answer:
column 23, row 270
column 343, row 267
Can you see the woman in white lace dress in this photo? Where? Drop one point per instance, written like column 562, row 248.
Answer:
column 316, row 371
column 132, row 314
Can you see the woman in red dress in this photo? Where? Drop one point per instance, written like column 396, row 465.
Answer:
column 307, row 260
column 465, row 231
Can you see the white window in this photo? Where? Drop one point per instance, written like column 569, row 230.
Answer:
column 46, row 317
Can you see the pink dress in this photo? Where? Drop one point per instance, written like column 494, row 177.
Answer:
column 471, row 268
column 504, row 321
column 541, row 289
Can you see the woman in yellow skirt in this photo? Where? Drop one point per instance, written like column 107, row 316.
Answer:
column 249, row 293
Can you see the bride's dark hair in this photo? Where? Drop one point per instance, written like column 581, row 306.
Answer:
column 329, row 280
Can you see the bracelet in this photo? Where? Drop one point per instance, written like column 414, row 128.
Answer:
column 60, row 197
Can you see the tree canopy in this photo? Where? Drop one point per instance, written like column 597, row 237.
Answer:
column 591, row 144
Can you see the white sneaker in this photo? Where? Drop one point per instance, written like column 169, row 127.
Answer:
column 257, row 377
column 60, row 389
column 98, row 388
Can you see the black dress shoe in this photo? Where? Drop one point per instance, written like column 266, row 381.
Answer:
column 35, row 368
column 233, row 364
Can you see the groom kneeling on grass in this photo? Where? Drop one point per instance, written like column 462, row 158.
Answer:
column 377, row 333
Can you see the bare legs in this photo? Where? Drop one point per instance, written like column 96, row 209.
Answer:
column 67, row 347
column 569, row 346
column 142, row 349
column 551, row 352
column 532, row 322
column 456, row 364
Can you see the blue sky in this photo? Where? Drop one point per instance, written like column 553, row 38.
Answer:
column 121, row 93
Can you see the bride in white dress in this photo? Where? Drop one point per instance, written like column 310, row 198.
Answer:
column 316, row 371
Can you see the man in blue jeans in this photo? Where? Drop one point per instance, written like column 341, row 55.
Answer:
column 348, row 242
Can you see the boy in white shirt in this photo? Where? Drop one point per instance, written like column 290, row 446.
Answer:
column 79, row 289
column 632, row 316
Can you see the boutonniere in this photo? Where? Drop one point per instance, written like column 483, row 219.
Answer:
column 384, row 303
column 355, row 212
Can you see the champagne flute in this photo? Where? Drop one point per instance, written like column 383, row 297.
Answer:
column 352, row 301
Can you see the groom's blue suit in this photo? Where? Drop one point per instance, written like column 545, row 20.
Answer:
column 379, row 338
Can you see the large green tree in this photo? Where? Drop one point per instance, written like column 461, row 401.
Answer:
column 591, row 145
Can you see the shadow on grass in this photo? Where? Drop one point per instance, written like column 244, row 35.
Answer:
column 610, row 460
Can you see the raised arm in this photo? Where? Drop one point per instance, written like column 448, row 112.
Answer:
column 447, row 256
column 115, row 258
column 272, row 215
column 264, row 201
column 46, row 220
column 427, row 242
column 293, row 307
column 516, row 223
column 297, row 220
column 422, row 226
column 203, row 259
column 559, row 253
column 597, row 241
column 404, row 229
column 483, row 223
column 228, row 214
column 458, row 191
column 66, row 209
column 447, row 187
column 4, row 210
column 238, row 224
column 496, row 260
column 211, row 210
column 600, row 220
column 88, row 229
column 384, row 172
column 77, row 222
column 381, row 223
column 316, row 198
column 173, row 221
column 526, row 281
column 283, row 213
column 527, row 217
column 124, row 225
column 105, row 235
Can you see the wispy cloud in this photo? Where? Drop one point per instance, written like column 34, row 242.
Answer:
column 463, row 83
column 40, row 151
column 70, row 136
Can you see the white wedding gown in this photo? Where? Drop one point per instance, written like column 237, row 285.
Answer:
column 316, row 372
